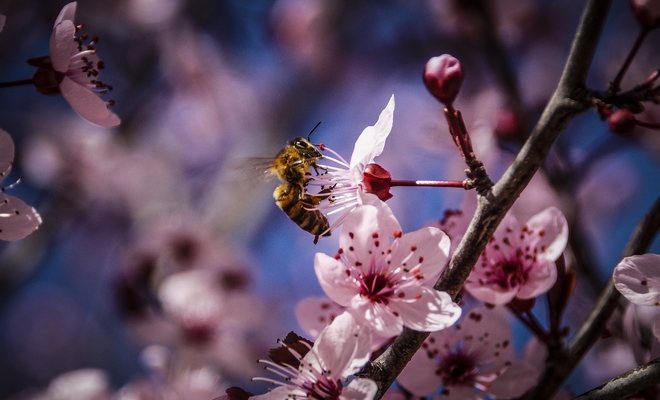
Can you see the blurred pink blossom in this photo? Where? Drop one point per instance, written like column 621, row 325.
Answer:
column 474, row 359
column 17, row 219
column 638, row 280
column 520, row 261
column 388, row 285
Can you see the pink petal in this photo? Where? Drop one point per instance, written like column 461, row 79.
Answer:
column 380, row 318
column 419, row 376
column 67, row 14
column 507, row 234
column 6, row 154
column 344, row 347
column 315, row 313
column 88, row 104
column 386, row 219
column 433, row 311
column 518, row 378
column 638, row 279
column 490, row 336
column 430, row 245
column 656, row 328
column 462, row 393
column 357, row 236
column 333, row 279
column 17, row 219
column 539, row 280
column 359, row 389
column 62, row 45
column 3, row 19
column 278, row 393
column 550, row 232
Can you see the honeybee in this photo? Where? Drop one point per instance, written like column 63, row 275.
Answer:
column 292, row 165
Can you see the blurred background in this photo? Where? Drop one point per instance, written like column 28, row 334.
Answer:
column 163, row 264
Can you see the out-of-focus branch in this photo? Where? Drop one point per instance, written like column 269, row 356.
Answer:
column 586, row 336
column 565, row 103
column 626, row 385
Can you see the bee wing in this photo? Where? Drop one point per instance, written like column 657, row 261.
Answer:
column 17, row 219
column 6, row 153
column 253, row 169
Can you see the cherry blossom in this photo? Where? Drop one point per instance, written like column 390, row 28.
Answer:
column 471, row 360
column 520, row 261
column 341, row 350
column 638, row 280
column 346, row 182
column 72, row 70
column 17, row 219
column 388, row 285
column 3, row 19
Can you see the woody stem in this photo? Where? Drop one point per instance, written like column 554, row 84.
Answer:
column 460, row 184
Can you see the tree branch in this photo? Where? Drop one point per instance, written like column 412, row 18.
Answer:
column 626, row 385
column 493, row 205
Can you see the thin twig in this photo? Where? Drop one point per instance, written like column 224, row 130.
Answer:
column 628, row 384
column 494, row 204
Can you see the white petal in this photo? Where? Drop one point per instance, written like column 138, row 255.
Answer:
column 359, row 389
column 17, row 219
column 68, row 13
column 6, row 154
column 550, row 232
column 371, row 141
column 378, row 317
column 62, row 45
column 88, row 104
column 638, row 279
column 433, row 311
column 343, row 347
column 333, row 279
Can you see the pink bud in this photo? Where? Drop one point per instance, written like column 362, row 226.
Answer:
column 376, row 180
column 622, row 122
column 647, row 12
column 443, row 76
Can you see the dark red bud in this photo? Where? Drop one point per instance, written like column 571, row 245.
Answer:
column 443, row 76
column 622, row 122
column 647, row 12
column 46, row 79
column 376, row 180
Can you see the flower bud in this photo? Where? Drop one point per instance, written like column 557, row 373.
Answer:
column 622, row 122
column 443, row 76
column 376, row 180
column 647, row 12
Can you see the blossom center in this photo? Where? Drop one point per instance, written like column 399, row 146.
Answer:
column 376, row 287
column 457, row 368
column 322, row 389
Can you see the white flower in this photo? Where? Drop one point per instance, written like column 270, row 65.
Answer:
column 341, row 350
column 388, row 285
column 343, row 185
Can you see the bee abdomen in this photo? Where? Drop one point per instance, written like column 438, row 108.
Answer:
column 296, row 205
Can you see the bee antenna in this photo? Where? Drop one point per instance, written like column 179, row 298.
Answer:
column 312, row 131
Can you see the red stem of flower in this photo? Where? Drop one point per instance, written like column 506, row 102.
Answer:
column 615, row 86
column 17, row 83
column 650, row 125
column 460, row 184
column 531, row 322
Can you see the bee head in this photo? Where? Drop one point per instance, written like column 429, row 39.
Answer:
column 305, row 148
